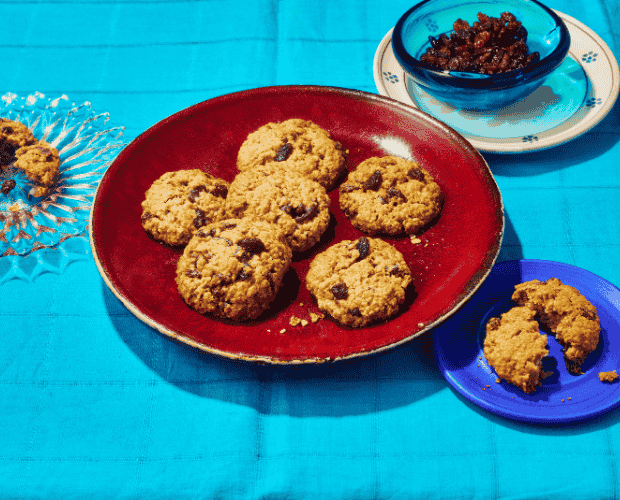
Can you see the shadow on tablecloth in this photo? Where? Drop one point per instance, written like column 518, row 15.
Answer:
column 394, row 378
column 572, row 429
column 382, row 381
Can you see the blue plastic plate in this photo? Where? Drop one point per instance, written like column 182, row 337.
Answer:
column 563, row 397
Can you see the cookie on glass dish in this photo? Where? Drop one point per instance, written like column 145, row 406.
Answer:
column 179, row 203
column 295, row 203
column 41, row 164
column 13, row 135
column 359, row 282
column 233, row 268
column 300, row 145
column 390, row 195
column 39, row 160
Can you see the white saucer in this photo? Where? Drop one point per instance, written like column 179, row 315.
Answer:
column 576, row 97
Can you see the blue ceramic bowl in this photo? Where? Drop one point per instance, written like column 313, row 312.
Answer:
column 547, row 34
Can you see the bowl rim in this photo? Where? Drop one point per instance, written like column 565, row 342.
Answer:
column 545, row 65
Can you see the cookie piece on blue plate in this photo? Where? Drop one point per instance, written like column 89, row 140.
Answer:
column 567, row 313
column 515, row 348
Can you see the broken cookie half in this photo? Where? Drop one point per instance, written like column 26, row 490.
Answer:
column 567, row 314
column 514, row 346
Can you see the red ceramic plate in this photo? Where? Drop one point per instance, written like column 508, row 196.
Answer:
column 450, row 262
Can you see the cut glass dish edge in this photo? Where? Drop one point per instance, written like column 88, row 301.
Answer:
column 36, row 233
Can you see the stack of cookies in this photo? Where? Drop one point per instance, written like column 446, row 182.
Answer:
column 240, row 238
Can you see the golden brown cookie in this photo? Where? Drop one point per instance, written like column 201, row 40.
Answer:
column 41, row 163
column 359, row 281
column 14, row 135
column 245, row 182
column 37, row 159
column 514, row 347
column 298, row 205
column 390, row 195
column 295, row 144
column 233, row 268
column 567, row 313
column 181, row 202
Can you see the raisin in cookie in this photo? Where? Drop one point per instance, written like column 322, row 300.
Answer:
column 390, row 195
column 297, row 144
column 180, row 202
column 298, row 205
column 233, row 268
column 41, row 163
column 514, row 347
column 567, row 313
column 360, row 281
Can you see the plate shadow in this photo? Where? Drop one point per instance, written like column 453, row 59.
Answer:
column 349, row 387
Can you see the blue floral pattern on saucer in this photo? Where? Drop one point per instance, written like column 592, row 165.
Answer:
column 390, row 77
column 590, row 57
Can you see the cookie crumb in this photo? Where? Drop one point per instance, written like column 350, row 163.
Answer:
column 488, row 385
column 415, row 240
column 420, row 324
column 14, row 207
column 610, row 376
column 295, row 321
column 497, row 380
column 562, row 400
column 314, row 317
column 283, row 330
column 568, row 398
column 301, row 304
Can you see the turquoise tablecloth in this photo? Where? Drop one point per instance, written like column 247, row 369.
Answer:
column 95, row 404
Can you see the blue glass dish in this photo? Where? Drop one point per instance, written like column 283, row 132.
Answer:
column 547, row 34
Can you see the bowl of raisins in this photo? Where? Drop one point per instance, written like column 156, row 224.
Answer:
column 480, row 55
